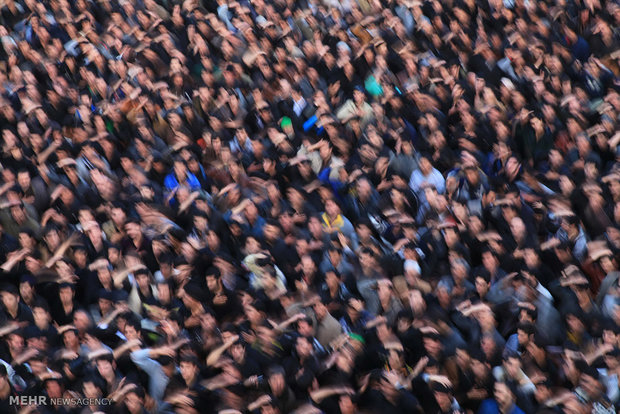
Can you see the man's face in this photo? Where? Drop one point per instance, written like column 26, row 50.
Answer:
column 512, row 366
column 307, row 265
column 472, row 175
column 332, row 280
column 85, row 216
column 271, row 232
column 104, row 367
column 251, row 212
column 517, row 227
column 530, row 257
column 522, row 337
column 188, row 371
column 363, row 232
column 53, row 389
column 113, row 255
column 23, row 179
column 303, row 347
column 211, row 283
column 90, row 390
column 331, row 208
column 346, row 404
column 26, row 291
column 320, row 310
column 25, row 241
column 237, row 351
column 358, row 96
column 142, row 280
column 363, row 189
column 105, row 305
column 70, row 339
column 304, row 328
column 482, row 286
column 443, row 400
column 503, row 395
column 52, row 238
column 66, row 294
column 611, row 362
column 40, row 316
column 542, row 393
column 425, row 166
column 609, row 337
column 131, row 333
column 133, row 230
column 325, row 151
column 459, row 272
column 104, row 275
column 80, row 257
column 431, row 345
column 276, row 383
column 15, row 342
column 118, row 216
column 590, row 385
column 9, row 300
column 4, row 381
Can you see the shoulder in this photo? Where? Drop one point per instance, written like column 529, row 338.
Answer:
column 488, row 406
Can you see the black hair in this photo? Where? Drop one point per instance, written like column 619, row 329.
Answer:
column 189, row 358
column 526, row 327
column 41, row 303
column 213, row 271
column 134, row 323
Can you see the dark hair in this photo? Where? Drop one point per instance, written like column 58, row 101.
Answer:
column 166, row 258
column 526, row 327
column 41, row 303
column 139, row 391
column 275, row 370
column 66, row 285
column 96, row 381
column 189, row 358
column 213, row 271
column 134, row 323
column 533, row 313
column 9, row 288
column 482, row 273
column 511, row 386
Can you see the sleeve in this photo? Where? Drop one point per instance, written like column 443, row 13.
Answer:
column 512, row 343
column 158, row 380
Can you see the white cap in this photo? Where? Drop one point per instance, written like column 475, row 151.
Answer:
column 508, row 83
column 412, row 265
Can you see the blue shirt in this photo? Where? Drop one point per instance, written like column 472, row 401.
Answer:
column 435, row 178
column 171, row 182
column 490, row 406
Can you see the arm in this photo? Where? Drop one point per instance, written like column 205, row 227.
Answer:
column 215, row 355
column 319, row 395
column 134, row 301
column 44, row 155
column 60, row 252
column 103, row 323
column 119, row 277
column 262, row 400
column 158, row 379
column 125, row 347
column 14, row 258
column 283, row 325
column 185, row 205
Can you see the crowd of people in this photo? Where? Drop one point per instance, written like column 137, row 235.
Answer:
column 313, row 206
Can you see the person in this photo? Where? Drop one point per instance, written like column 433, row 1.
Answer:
column 504, row 401
column 345, row 207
